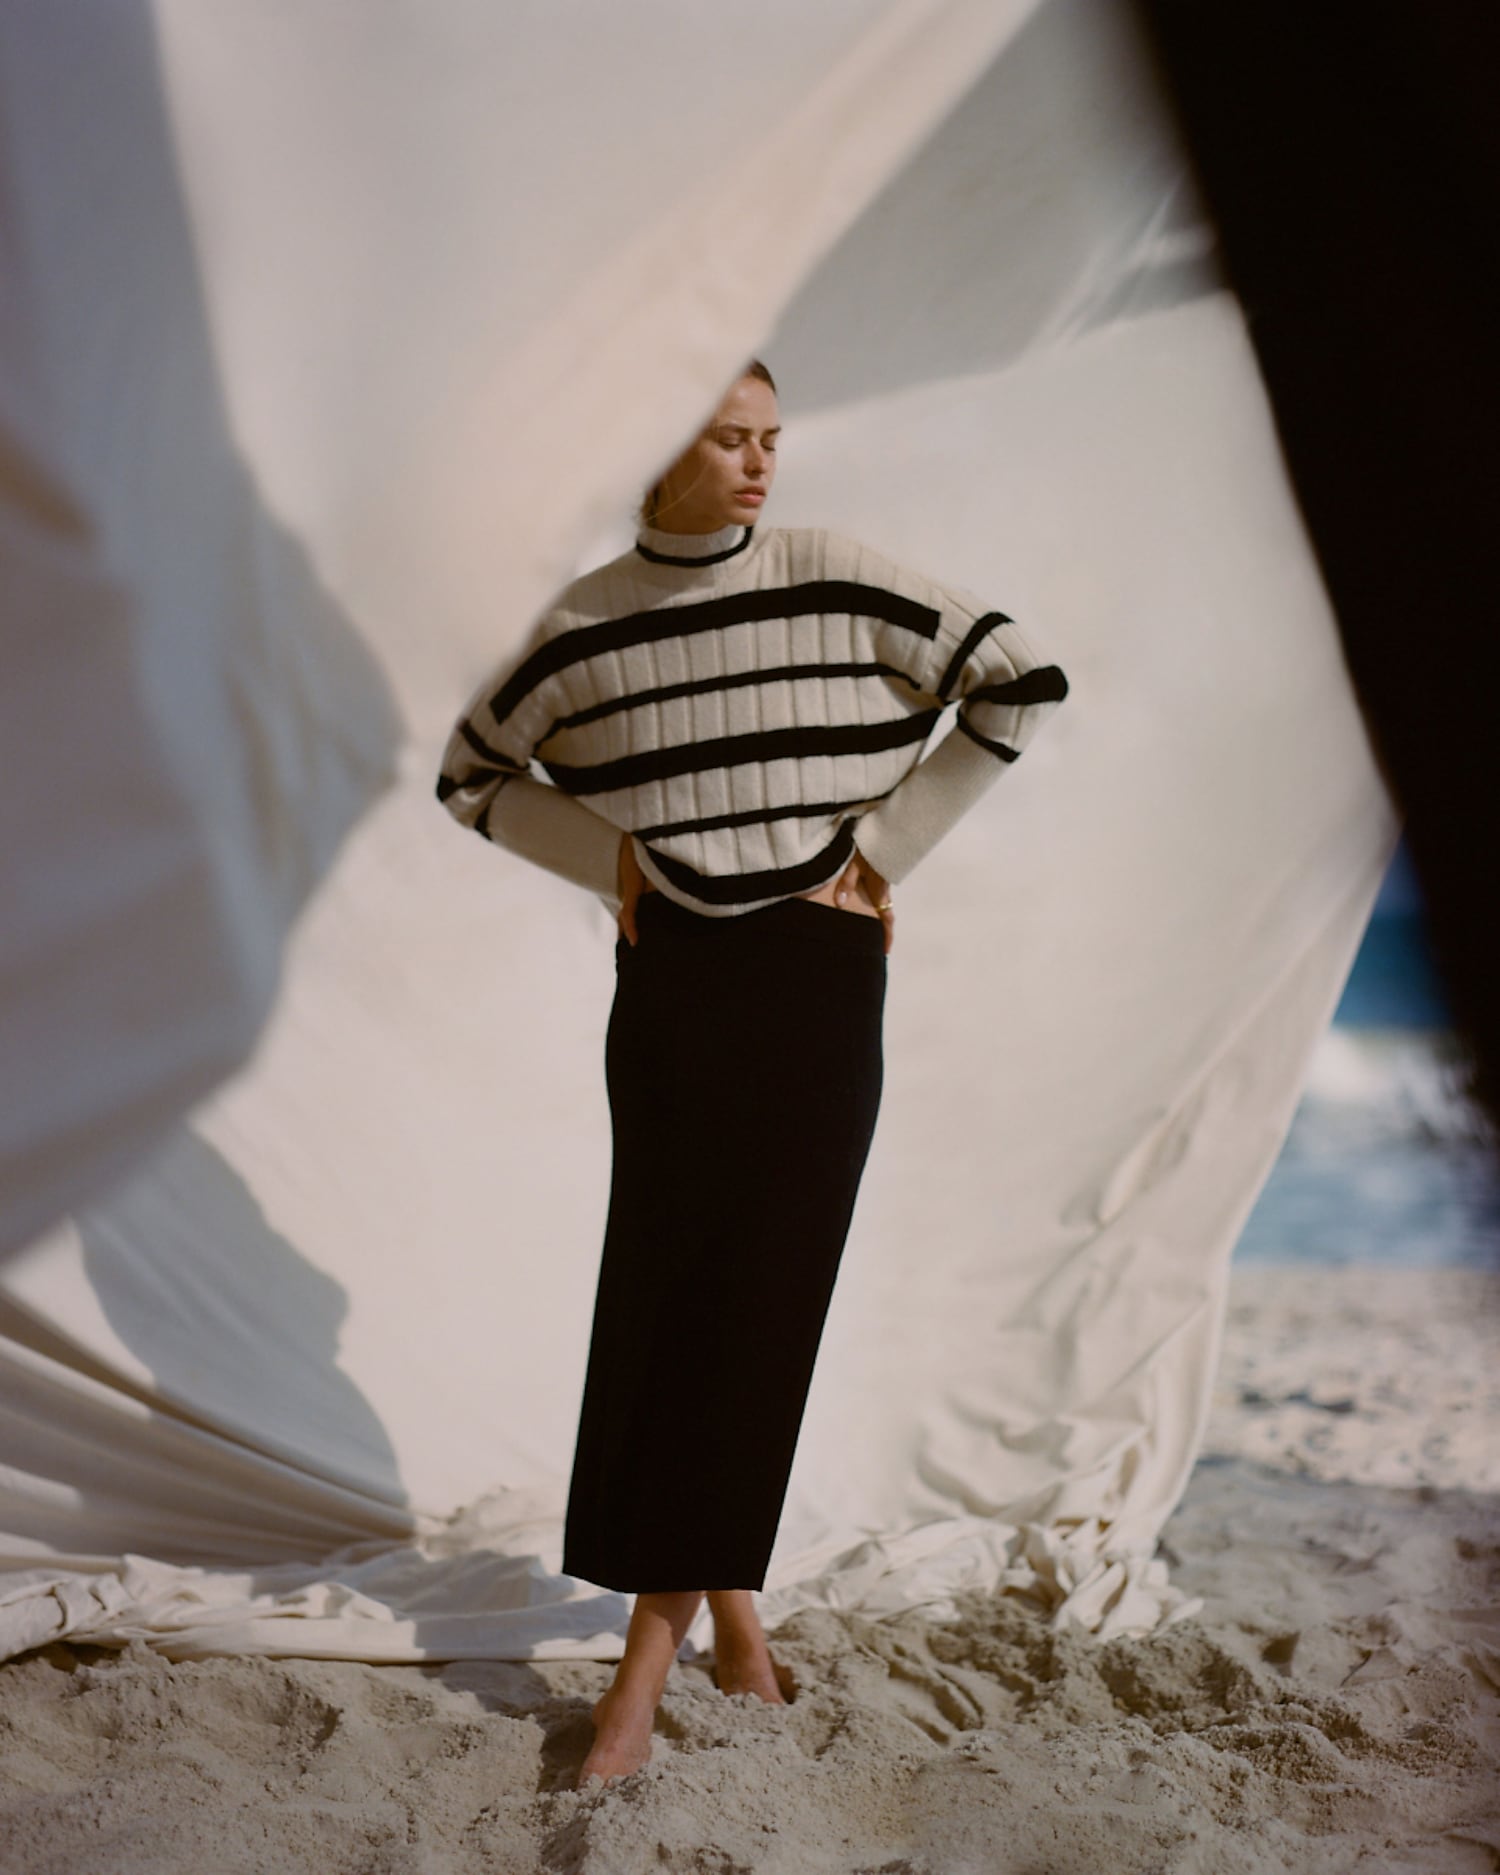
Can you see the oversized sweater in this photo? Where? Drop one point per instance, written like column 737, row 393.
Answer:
column 749, row 705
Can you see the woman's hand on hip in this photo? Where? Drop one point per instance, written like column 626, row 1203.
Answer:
column 633, row 882
column 862, row 890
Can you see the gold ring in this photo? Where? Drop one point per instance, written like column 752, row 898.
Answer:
column 885, row 907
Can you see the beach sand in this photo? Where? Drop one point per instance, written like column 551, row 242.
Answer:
column 1335, row 1705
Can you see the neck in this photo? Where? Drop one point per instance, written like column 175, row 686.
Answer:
column 664, row 547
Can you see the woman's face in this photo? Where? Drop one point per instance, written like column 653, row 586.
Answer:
column 726, row 475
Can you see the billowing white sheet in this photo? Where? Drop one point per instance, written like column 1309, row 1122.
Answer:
column 351, row 407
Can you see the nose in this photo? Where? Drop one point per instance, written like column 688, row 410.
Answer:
column 755, row 458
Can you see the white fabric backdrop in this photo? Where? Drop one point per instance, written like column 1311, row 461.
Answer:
column 314, row 403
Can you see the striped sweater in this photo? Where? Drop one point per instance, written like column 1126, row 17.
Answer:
column 749, row 705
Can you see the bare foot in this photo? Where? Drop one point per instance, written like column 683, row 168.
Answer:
column 622, row 1735
column 752, row 1670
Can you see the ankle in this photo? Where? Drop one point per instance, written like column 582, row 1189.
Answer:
column 736, row 1624
column 637, row 1679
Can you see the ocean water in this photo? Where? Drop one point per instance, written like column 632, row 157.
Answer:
column 1386, row 1161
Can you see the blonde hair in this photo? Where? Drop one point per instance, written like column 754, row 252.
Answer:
column 650, row 505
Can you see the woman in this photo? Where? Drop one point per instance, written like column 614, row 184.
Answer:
column 732, row 720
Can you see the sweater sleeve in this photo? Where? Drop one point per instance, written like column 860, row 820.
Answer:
column 485, row 783
column 1005, row 686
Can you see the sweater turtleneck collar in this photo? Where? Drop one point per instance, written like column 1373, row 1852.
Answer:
column 692, row 550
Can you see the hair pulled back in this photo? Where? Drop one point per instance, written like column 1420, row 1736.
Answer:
column 651, row 500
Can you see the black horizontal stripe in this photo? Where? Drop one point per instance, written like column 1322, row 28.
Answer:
column 839, row 597
column 480, row 747
column 734, row 680
column 1044, row 684
column 979, row 630
column 479, row 777
column 701, row 559
column 766, row 745
column 737, row 888
column 751, row 816
column 1002, row 749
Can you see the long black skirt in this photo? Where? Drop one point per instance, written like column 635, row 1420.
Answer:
column 743, row 1062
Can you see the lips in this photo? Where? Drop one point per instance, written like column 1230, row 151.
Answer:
column 749, row 494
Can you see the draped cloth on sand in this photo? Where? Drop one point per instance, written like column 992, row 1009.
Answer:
column 331, row 345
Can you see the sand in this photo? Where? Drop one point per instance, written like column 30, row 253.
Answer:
column 1335, row 1705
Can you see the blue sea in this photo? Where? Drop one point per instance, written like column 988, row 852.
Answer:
column 1387, row 1162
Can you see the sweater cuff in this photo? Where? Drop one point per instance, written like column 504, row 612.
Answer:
column 551, row 829
column 935, row 795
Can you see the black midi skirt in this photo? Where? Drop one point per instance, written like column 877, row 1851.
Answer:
column 743, row 1063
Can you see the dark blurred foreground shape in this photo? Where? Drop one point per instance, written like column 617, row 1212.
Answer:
column 1350, row 156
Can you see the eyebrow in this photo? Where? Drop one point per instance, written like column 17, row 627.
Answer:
column 774, row 430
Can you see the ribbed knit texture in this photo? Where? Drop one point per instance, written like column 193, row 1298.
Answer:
column 749, row 704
